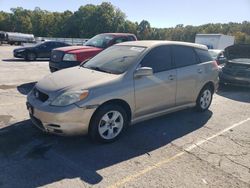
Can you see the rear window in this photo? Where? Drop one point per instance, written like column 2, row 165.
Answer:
column 131, row 38
column 203, row 55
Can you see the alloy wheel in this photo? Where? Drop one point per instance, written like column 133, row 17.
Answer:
column 110, row 125
column 205, row 99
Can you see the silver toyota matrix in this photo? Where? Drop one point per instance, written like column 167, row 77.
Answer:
column 126, row 83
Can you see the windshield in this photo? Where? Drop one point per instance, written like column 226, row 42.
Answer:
column 114, row 60
column 99, row 41
column 39, row 44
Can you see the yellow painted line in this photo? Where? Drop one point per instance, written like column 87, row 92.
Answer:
column 215, row 135
column 144, row 171
column 168, row 160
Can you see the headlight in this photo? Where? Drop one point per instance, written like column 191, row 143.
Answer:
column 19, row 51
column 69, row 57
column 70, row 98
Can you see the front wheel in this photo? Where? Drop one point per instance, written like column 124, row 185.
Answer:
column 30, row 56
column 204, row 99
column 108, row 123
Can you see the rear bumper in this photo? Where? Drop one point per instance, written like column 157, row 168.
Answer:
column 234, row 80
column 55, row 66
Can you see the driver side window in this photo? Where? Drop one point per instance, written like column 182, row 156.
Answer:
column 159, row 59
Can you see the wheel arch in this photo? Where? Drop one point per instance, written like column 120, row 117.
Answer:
column 30, row 51
column 209, row 84
column 120, row 102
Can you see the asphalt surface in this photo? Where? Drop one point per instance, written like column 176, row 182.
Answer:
column 182, row 149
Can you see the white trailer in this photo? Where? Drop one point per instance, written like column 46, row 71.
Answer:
column 16, row 38
column 215, row 41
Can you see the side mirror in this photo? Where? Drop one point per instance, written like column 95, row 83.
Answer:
column 143, row 71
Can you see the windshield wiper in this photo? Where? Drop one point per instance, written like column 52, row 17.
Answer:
column 99, row 69
column 90, row 45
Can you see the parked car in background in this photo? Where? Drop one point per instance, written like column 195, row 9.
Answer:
column 40, row 50
column 72, row 56
column 218, row 56
column 237, row 69
column 126, row 83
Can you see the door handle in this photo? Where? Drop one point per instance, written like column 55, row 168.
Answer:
column 171, row 77
column 199, row 71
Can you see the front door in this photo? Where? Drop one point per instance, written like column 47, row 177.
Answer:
column 157, row 92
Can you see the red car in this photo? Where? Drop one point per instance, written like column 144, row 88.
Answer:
column 66, row 57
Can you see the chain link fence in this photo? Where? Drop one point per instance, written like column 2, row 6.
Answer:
column 72, row 41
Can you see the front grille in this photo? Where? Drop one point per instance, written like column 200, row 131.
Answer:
column 40, row 95
column 56, row 56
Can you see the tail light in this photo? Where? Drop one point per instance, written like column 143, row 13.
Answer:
column 215, row 64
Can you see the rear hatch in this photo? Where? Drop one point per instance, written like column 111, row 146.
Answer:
column 238, row 64
column 239, row 51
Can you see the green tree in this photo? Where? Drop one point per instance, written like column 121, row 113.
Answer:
column 90, row 20
column 144, row 30
column 240, row 37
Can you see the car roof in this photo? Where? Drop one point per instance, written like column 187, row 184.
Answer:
column 215, row 50
column 154, row 43
column 118, row 34
column 53, row 41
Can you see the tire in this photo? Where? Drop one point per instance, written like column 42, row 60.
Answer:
column 204, row 99
column 104, row 127
column 30, row 56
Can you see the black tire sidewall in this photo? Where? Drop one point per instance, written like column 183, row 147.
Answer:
column 198, row 106
column 28, row 58
column 93, row 129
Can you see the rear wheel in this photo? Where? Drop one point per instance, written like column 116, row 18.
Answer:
column 30, row 56
column 108, row 123
column 204, row 99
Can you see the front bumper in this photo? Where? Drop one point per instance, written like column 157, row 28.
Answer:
column 55, row 66
column 18, row 54
column 234, row 80
column 72, row 121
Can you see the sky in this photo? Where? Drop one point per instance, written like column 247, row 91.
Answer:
column 159, row 13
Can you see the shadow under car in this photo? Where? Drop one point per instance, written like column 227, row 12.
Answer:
column 29, row 158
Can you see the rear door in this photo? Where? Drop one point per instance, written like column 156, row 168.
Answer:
column 189, row 72
column 156, row 92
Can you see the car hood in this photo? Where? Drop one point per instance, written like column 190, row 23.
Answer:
column 240, row 51
column 22, row 48
column 78, row 49
column 72, row 78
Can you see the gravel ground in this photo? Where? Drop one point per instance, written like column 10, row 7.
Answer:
column 183, row 149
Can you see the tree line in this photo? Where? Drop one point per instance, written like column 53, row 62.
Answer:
column 90, row 20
